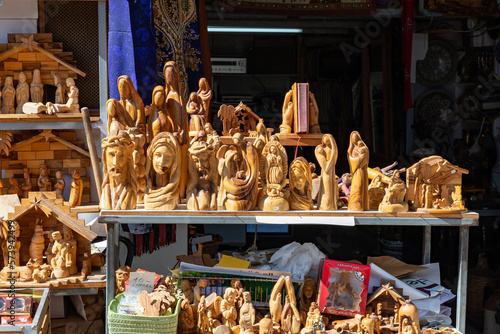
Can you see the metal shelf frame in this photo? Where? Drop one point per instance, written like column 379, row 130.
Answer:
column 463, row 221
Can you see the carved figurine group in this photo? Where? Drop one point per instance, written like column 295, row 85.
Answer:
column 159, row 165
column 233, row 312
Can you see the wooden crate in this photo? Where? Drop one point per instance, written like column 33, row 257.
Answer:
column 41, row 319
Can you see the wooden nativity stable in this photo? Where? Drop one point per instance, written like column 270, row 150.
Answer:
column 54, row 216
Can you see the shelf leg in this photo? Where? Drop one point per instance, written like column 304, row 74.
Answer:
column 112, row 260
column 463, row 261
column 426, row 256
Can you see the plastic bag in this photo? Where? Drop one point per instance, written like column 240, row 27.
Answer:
column 300, row 260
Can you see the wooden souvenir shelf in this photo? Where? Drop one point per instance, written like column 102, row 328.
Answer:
column 341, row 217
column 43, row 121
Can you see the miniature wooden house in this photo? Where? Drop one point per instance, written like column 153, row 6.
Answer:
column 54, row 216
column 237, row 120
column 388, row 297
column 27, row 52
column 435, row 184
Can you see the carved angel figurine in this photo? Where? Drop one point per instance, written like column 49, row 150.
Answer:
column 326, row 154
column 163, row 166
column 201, row 192
column 239, row 170
column 300, row 185
column 274, row 166
column 358, row 156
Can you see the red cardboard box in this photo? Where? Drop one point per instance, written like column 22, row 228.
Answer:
column 19, row 303
column 343, row 287
column 18, row 319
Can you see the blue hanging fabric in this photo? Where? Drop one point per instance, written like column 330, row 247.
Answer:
column 178, row 39
column 132, row 46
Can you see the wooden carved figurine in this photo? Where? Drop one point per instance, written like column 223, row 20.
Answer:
column 203, row 319
column 275, row 307
column 36, row 87
column 201, row 192
column 286, row 125
column 75, row 195
column 291, row 318
column 274, row 166
column 358, row 156
column 48, row 251
column 300, row 185
column 187, row 324
column 313, row 315
column 60, row 96
column 44, row 181
column 228, row 308
column 376, row 193
column 239, row 170
column 163, row 165
column 266, row 325
column 14, row 186
column 22, row 92
column 187, row 290
column 59, row 185
column 159, row 120
column 119, row 186
column 122, row 275
column 176, row 108
column 308, row 293
column 408, row 311
column 10, row 246
column 202, row 284
column 37, row 244
column 139, row 140
column 71, row 246
column 313, row 115
column 456, row 195
column 9, row 97
column 194, row 108
column 326, row 154
column 205, row 94
column 26, row 187
column 213, row 138
column 86, row 265
column 60, row 250
column 394, row 199
column 247, row 314
column 71, row 106
column 300, row 111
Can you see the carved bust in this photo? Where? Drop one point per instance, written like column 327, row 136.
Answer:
column 163, row 165
column 300, row 185
column 119, row 186
column 274, row 166
column 201, row 192
column 239, row 170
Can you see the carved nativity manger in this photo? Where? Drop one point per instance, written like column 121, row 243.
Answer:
column 51, row 244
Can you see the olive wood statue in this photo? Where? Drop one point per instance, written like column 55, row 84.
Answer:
column 22, row 92
column 36, row 87
column 194, row 108
column 60, row 96
column 308, row 292
column 26, row 187
column 201, row 192
column 58, row 262
column 327, row 154
column 159, row 120
column 205, row 94
column 119, row 186
column 37, row 244
column 228, row 308
column 266, row 325
column 71, row 245
column 203, row 319
column 163, row 166
column 247, row 314
column 239, row 170
column 71, row 106
column 201, row 284
column 300, row 185
column 59, row 185
column 394, row 199
column 44, row 181
column 122, row 275
column 9, row 96
column 408, row 311
column 358, row 157
column 274, row 166
column 290, row 318
column 75, row 195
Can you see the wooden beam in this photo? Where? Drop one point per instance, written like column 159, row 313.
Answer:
column 26, row 142
column 60, row 61
column 72, row 146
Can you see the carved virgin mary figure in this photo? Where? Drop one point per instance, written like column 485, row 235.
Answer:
column 160, row 120
column 163, row 166
column 300, row 185
column 326, row 154
column 195, row 109
column 274, row 166
column 119, row 186
column 239, row 170
column 201, row 192
column 358, row 156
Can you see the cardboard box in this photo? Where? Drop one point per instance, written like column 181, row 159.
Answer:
column 18, row 319
column 18, row 303
column 343, row 287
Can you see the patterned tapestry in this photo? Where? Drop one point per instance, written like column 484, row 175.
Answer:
column 178, row 39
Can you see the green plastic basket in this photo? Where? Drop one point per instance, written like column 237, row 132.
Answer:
column 126, row 323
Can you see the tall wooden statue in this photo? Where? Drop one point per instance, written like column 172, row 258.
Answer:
column 358, row 156
column 201, row 192
column 274, row 166
column 119, row 186
column 22, row 92
column 162, row 190
column 239, row 170
column 300, row 185
column 326, row 154
column 176, row 108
